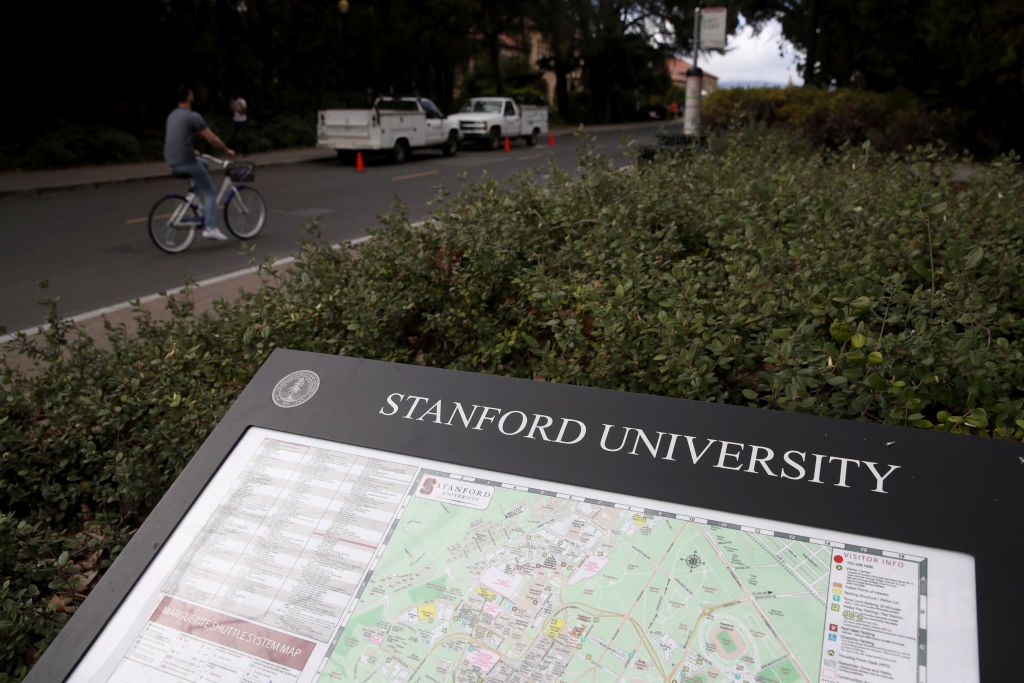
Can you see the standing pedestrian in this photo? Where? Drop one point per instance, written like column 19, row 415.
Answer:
column 181, row 155
column 239, row 118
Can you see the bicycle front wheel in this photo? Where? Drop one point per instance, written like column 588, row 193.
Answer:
column 245, row 212
column 172, row 224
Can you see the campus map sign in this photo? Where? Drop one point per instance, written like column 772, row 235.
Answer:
column 362, row 521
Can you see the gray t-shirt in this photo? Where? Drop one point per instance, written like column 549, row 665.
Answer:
column 182, row 124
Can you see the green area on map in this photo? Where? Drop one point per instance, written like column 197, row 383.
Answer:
column 539, row 587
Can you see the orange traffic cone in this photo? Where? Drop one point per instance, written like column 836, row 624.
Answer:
column 359, row 162
column 551, row 140
column 508, row 144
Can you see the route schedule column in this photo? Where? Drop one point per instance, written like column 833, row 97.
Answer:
column 288, row 544
column 872, row 629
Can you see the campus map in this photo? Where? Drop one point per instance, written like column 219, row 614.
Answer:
column 307, row 561
column 526, row 585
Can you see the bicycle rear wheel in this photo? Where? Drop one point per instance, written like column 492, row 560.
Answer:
column 173, row 223
column 245, row 213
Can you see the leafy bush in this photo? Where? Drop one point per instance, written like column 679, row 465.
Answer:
column 70, row 145
column 766, row 274
column 46, row 571
column 890, row 121
column 290, row 131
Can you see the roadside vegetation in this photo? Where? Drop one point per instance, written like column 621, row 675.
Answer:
column 769, row 272
column 595, row 62
column 67, row 144
column 892, row 121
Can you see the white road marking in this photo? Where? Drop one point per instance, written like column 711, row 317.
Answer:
column 38, row 329
column 81, row 317
column 424, row 174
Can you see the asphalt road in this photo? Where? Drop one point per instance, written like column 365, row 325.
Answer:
column 92, row 247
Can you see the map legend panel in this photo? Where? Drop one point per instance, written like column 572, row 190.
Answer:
column 875, row 623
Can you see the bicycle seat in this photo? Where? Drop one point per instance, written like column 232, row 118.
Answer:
column 183, row 176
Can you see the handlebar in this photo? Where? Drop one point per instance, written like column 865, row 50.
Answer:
column 214, row 160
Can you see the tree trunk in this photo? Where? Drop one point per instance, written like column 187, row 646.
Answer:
column 812, row 44
column 600, row 94
column 562, row 88
column 494, row 50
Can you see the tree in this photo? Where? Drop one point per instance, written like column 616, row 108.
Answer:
column 556, row 21
column 493, row 21
column 620, row 45
column 967, row 57
column 290, row 58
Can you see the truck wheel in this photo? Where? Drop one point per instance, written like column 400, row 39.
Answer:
column 451, row 146
column 494, row 139
column 400, row 152
column 532, row 138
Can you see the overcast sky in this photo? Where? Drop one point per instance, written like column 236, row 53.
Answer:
column 755, row 58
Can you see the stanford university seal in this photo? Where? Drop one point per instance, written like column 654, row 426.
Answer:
column 296, row 388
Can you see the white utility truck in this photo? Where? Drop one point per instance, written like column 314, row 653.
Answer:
column 397, row 125
column 491, row 119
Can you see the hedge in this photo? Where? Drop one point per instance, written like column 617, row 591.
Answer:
column 74, row 145
column 764, row 273
column 890, row 121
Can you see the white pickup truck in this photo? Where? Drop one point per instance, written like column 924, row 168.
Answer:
column 397, row 125
column 491, row 119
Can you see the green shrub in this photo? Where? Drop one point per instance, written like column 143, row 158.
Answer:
column 289, row 131
column 71, row 145
column 767, row 274
column 890, row 121
column 45, row 573
column 281, row 132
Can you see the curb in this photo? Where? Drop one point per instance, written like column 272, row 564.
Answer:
column 71, row 185
column 138, row 178
column 150, row 298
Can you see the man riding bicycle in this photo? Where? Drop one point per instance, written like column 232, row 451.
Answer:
column 180, row 155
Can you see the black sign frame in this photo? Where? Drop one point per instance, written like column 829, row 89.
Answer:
column 954, row 492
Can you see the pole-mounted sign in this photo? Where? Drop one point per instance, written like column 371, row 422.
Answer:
column 351, row 520
column 708, row 34
column 712, row 28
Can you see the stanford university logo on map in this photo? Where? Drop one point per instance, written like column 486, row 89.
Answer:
column 296, row 388
column 456, row 491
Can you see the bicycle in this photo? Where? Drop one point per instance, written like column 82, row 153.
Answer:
column 175, row 218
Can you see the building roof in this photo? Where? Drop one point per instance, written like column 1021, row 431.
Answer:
column 677, row 69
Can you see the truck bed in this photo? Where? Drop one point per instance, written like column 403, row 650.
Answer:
column 354, row 129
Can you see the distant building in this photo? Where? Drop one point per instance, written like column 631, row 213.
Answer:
column 530, row 48
column 677, row 69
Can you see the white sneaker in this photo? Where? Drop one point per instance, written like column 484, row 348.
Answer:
column 213, row 233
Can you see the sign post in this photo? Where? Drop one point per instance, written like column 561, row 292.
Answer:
column 358, row 520
column 691, row 109
column 709, row 33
